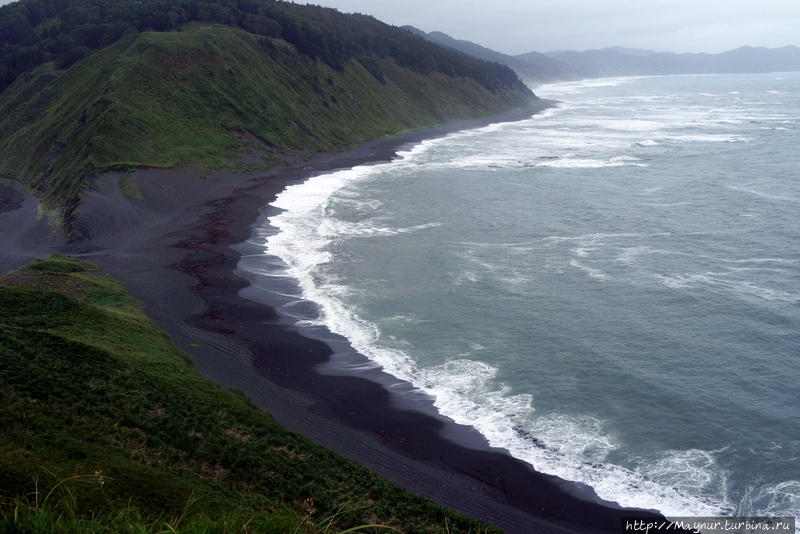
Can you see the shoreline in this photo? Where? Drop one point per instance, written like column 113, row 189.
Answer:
column 174, row 251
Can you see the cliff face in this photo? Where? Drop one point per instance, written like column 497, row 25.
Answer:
column 212, row 91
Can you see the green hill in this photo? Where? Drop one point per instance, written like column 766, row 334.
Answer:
column 106, row 428
column 301, row 78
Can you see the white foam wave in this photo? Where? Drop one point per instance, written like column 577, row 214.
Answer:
column 693, row 469
column 591, row 271
column 763, row 260
column 598, row 236
column 784, row 496
column 628, row 253
column 570, row 447
column 479, row 244
column 765, row 195
column 709, row 138
column 341, row 228
column 752, row 269
column 463, row 277
column 724, row 281
column 369, row 205
column 715, row 282
column 588, row 163
column 467, row 391
column 779, row 500
column 566, row 88
column 578, row 436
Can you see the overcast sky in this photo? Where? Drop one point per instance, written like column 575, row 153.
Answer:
column 519, row 26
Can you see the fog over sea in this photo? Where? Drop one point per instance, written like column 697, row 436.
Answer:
column 609, row 290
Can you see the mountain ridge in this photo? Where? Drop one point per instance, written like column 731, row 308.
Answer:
column 618, row 61
column 536, row 68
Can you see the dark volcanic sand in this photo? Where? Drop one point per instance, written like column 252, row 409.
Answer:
column 173, row 250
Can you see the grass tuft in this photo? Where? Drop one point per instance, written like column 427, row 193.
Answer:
column 129, row 189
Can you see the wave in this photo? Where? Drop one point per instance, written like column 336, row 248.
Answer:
column 605, row 257
column 601, row 235
column 739, row 287
column 572, row 447
column 571, row 88
column 588, row 163
column 765, row 195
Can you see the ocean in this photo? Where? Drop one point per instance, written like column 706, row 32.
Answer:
column 609, row 290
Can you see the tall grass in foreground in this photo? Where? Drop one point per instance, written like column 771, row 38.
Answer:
column 105, row 427
column 56, row 509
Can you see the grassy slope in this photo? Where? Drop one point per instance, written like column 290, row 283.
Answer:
column 90, row 387
column 163, row 99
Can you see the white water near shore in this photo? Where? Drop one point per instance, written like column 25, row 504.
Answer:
column 608, row 290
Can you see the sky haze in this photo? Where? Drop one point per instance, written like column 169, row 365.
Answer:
column 520, row 26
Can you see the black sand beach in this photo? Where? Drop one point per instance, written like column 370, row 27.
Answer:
column 174, row 251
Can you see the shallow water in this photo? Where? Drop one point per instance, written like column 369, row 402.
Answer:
column 608, row 290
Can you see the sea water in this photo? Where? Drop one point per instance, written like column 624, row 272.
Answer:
column 609, row 290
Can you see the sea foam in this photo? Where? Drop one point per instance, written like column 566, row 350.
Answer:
column 631, row 229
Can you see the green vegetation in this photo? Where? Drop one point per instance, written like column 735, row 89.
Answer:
column 34, row 32
column 108, row 85
column 129, row 189
column 55, row 264
column 103, row 422
column 59, row 512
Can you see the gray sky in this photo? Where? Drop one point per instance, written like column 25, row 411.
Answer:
column 519, row 26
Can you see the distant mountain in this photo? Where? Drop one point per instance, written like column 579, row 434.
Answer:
column 533, row 68
column 631, row 51
column 612, row 62
column 749, row 59
column 618, row 61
